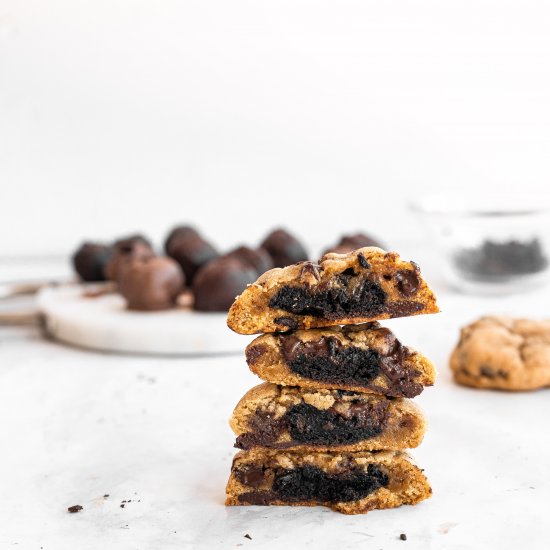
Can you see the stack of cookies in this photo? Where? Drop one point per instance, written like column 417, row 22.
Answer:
column 331, row 423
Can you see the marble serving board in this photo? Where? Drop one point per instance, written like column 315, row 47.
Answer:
column 82, row 316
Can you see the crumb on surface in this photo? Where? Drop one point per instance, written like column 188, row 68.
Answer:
column 74, row 509
column 403, row 536
column 247, row 536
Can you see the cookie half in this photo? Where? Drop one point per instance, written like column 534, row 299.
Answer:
column 351, row 483
column 503, row 353
column 286, row 417
column 365, row 285
column 362, row 358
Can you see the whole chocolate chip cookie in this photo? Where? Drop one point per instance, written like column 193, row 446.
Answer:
column 503, row 353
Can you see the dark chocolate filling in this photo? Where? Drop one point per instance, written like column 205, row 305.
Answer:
column 313, row 426
column 311, row 484
column 352, row 299
column 328, row 360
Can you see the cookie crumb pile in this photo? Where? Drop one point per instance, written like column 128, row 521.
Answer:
column 331, row 423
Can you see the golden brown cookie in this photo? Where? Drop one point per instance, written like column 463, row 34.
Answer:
column 365, row 285
column 362, row 358
column 350, row 483
column 286, row 417
column 503, row 353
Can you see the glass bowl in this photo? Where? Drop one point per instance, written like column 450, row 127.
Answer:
column 493, row 243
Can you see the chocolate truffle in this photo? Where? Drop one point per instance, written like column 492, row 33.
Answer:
column 192, row 252
column 179, row 232
column 258, row 258
column 283, row 248
column 150, row 284
column 219, row 282
column 90, row 259
column 132, row 247
column 349, row 243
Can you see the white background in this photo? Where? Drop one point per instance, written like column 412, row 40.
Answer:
column 119, row 115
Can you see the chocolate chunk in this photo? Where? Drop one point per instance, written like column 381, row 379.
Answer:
column 179, row 232
column 90, row 259
column 264, row 430
column 403, row 308
column 408, row 282
column 309, row 483
column 74, row 509
column 218, row 283
column 134, row 247
column 250, row 475
column 283, row 248
column 192, row 252
column 257, row 258
column 253, row 353
column 363, row 261
column 257, row 498
column 150, row 284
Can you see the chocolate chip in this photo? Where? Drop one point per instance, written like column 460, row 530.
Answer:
column 408, row 282
column 250, row 475
column 363, row 261
column 74, row 509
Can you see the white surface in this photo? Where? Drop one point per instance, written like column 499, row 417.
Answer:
column 119, row 115
column 104, row 323
column 76, row 425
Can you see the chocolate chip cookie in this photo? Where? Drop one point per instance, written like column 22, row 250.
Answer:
column 361, row 358
column 365, row 285
column 286, row 417
column 503, row 353
column 350, row 483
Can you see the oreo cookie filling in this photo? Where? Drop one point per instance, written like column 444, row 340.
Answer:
column 311, row 484
column 312, row 426
column 328, row 360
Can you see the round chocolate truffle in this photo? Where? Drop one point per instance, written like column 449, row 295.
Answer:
column 150, row 284
column 349, row 243
column 258, row 258
column 192, row 252
column 90, row 259
column 179, row 232
column 283, row 248
column 219, row 282
column 132, row 247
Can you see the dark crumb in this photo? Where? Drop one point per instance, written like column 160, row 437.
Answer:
column 122, row 505
column 247, row 536
column 106, row 496
column 402, row 536
column 74, row 509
